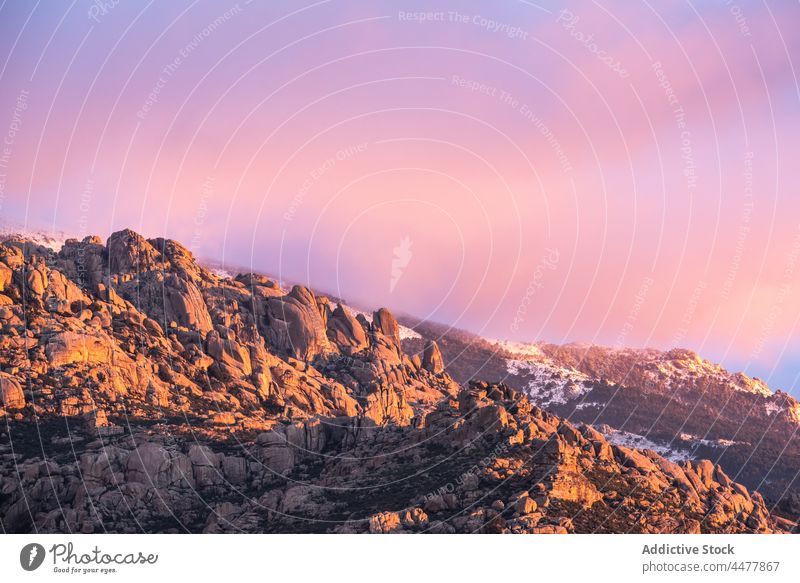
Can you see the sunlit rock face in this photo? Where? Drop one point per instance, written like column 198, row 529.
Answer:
column 142, row 392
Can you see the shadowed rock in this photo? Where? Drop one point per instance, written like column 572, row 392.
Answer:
column 11, row 394
column 432, row 358
column 346, row 331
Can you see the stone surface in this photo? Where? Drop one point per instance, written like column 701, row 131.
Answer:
column 432, row 358
column 161, row 397
column 11, row 394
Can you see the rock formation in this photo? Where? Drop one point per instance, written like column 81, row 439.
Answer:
column 674, row 402
column 142, row 392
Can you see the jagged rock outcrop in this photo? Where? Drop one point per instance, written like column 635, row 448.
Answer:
column 11, row 395
column 502, row 465
column 140, row 320
column 66, row 348
column 184, row 305
column 130, row 254
column 346, row 332
column 159, row 467
column 385, row 325
column 673, row 401
column 141, row 392
column 432, row 358
column 295, row 325
column 228, row 354
column 5, row 276
column 63, row 296
column 83, row 262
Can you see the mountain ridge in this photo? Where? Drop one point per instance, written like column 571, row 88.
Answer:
column 671, row 399
column 131, row 374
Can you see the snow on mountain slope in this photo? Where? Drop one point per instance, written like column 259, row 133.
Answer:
column 52, row 240
column 633, row 440
column 523, row 349
column 668, row 370
column 548, row 384
column 558, row 375
column 676, row 453
column 678, row 370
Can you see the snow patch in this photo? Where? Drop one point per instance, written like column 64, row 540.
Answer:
column 53, row 240
column 518, row 348
column 791, row 408
column 636, row 441
column 695, row 441
column 680, row 371
column 547, row 384
column 221, row 273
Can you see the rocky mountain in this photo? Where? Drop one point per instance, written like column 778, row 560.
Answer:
column 142, row 392
column 673, row 402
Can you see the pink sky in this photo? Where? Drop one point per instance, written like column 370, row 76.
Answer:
column 310, row 139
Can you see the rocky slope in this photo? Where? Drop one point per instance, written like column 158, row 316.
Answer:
column 144, row 393
column 674, row 402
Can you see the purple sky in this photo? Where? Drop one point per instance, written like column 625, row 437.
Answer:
column 611, row 172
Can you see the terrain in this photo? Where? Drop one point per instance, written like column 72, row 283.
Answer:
column 674, row 402
column 142, row 392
